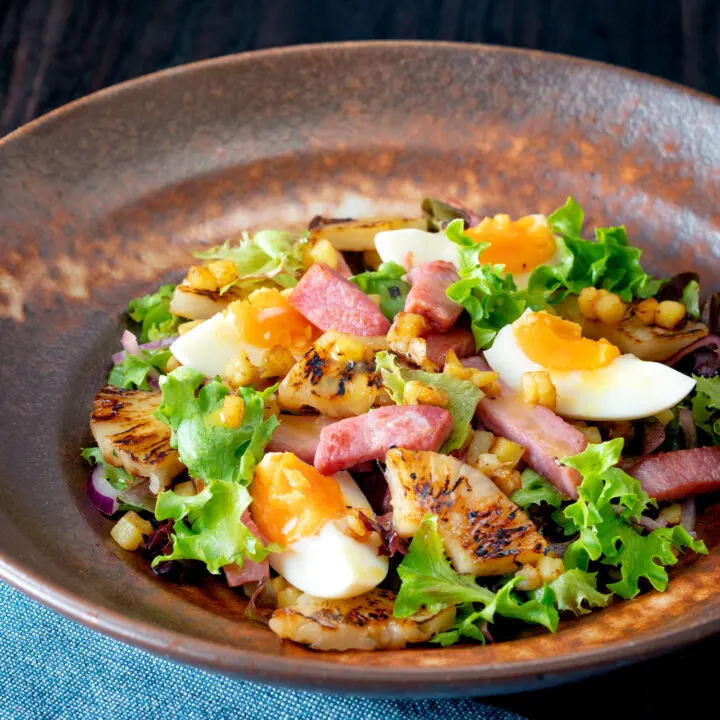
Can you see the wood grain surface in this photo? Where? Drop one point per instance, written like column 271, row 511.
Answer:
column 54, row 51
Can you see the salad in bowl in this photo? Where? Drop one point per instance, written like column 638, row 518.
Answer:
column 407, row 430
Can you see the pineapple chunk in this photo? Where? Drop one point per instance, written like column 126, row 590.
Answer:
column 128, row 435
column 484, row 532
column 365, row 622
column 129, row 530
column 328, row 380
column 198, row 304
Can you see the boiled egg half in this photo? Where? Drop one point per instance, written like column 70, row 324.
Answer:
column 592, row 379
column 263, row 321
column 330, row 552
column 520, row 245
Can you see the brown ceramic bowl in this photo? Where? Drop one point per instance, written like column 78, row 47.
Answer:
column 105, row 198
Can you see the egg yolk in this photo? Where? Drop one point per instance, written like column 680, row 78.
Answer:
column 558, row 344
column 291, row 499
column 267, row 319
column 520, row 245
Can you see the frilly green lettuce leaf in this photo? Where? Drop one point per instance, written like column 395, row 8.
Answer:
column 576, row 591
column 208, row 526
column 153, row 313
column 268, row 256
column 429, row 581
column 610, row 262
column 609, row 501
column 386, row 282
column 536, row 490
column 491, row 299
column 134, row 370
column 208, row 449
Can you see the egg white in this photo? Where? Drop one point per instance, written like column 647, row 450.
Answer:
column 410, row 247
column 626, row 389
column 209, row 346
column 330, row 564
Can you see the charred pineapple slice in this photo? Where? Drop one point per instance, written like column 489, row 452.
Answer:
column 201, row 304
column 336, row 377
column 128, row 435
column 631, row 335
column 484, row 532
column 365, row 622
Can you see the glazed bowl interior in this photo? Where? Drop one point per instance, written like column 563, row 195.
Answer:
column 105, row 199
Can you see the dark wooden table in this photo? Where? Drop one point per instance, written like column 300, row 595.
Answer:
column 53, row 51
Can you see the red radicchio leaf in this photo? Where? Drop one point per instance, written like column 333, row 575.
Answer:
column 653, row 437
column 159, row 542
column 383, row 526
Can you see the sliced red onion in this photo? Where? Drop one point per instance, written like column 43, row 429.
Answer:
column 118, row 357
column 101, row 493
column 139, row 495
column 130, row 343
column 653, row 437
column 707, row 340
column 689, row 428
column 650, row 524
column 689, row 514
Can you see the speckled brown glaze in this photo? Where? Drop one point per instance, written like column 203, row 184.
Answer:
column 103, row 199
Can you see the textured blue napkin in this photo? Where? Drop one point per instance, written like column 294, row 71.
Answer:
column 53, row 668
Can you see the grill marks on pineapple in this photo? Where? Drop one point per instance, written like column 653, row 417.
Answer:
column 484, row 532
column 129, row 435
column 331, row 385
column 365, row 622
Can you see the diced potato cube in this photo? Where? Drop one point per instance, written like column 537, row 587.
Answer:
column 322, row 251
column 200, row 278
column 645, row 311
column 610, row 309
column 479, row 445
column 672, row 514
column 669, row 313
column 550, row 568
column 129, row 530
column 277, row 362
column 509, row 453
column 586, row 302
column 239, row 371
column 486, row 463
column 531, row 578
column 538, row 389
column 225, row 272
column 416, row 393
column 185, row 489
column 232, row 411
column 507, row 480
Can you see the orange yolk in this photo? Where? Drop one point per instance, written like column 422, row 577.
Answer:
column 266, row 319
column 520, row 246
column 558, row 344
column 291, row 499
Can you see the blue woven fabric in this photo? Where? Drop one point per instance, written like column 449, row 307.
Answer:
column 53, row 668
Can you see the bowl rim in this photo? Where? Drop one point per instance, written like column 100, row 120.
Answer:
column 320, row 673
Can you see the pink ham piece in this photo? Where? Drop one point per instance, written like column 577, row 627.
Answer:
column 331, row 302
column 355, row 440
column 678, row 474
column 250, row 571
column 438, row 345
column 299, row 434
column 343, row 268
column 427, row 295
column 545, row 436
